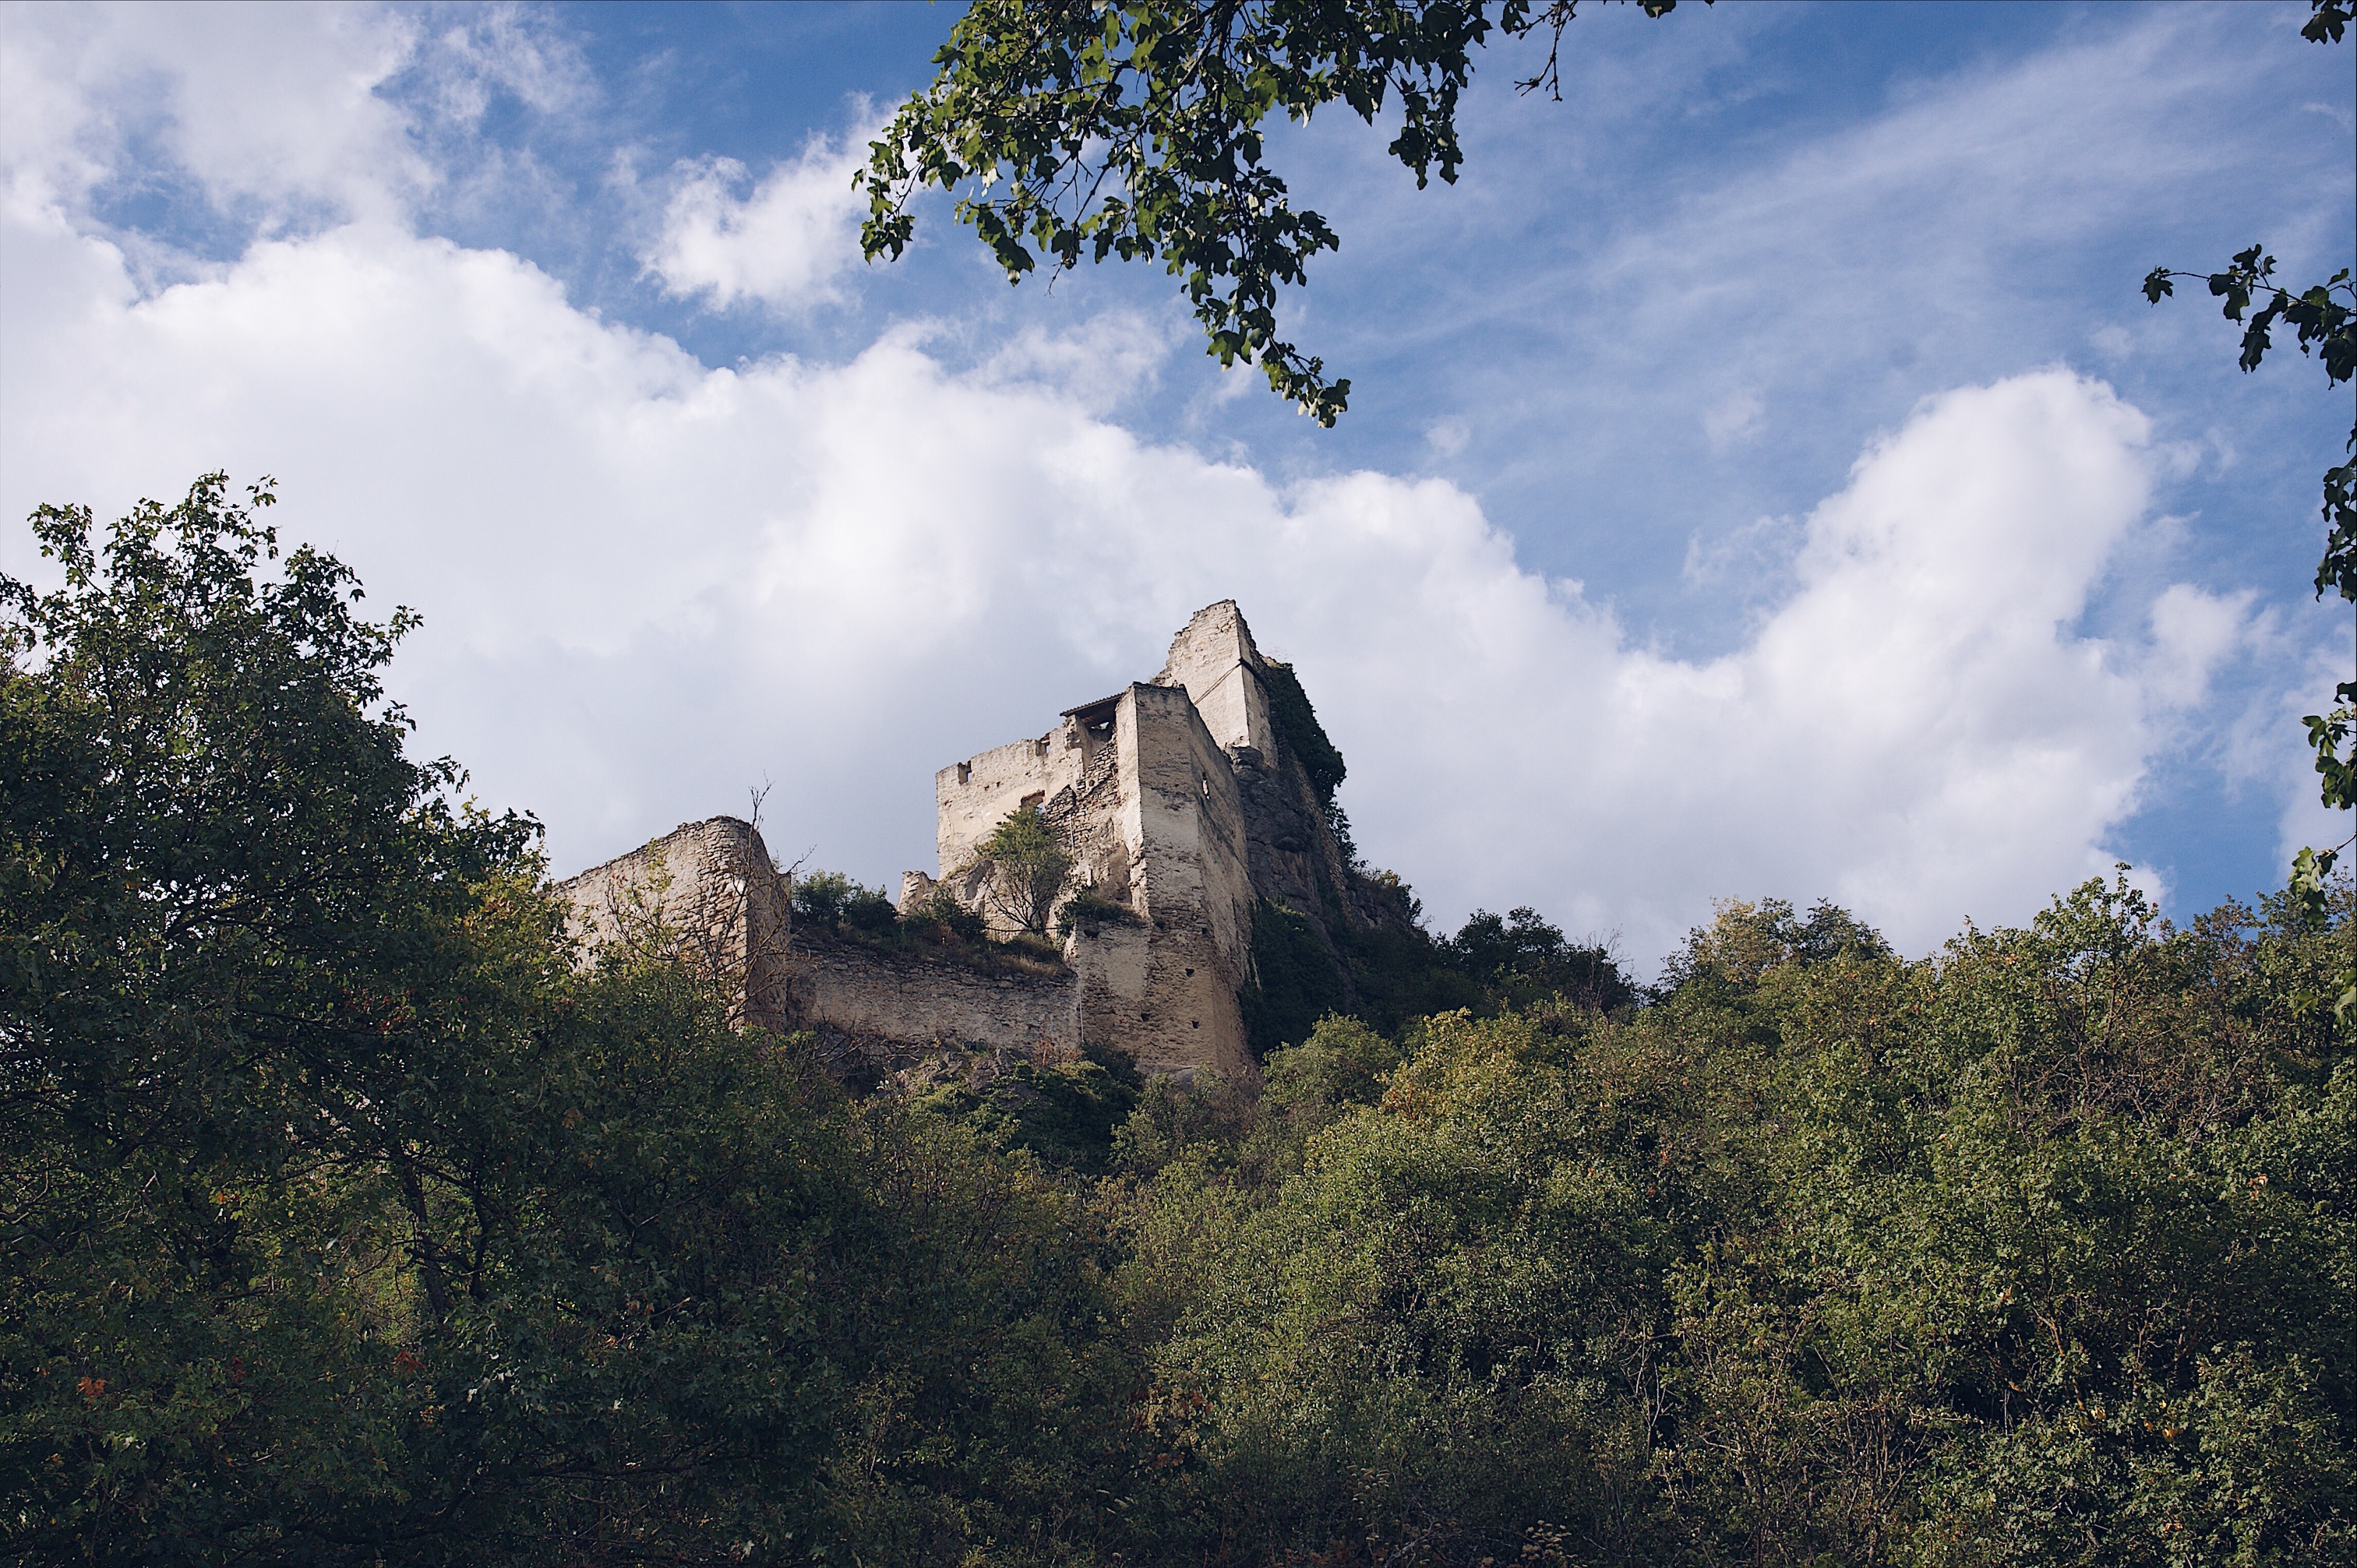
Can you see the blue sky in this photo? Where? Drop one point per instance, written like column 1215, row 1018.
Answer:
column 1763, row 477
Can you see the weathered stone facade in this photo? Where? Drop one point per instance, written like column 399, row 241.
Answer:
column 711, row 889
column 1179, row 805
column 880, row 1012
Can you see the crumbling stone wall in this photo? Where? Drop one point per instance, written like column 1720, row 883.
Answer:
column 1214, row 661
column 973, row 797
column 883, row 1014
column 1179, row 804
column 708, row 891
column 1294, row 858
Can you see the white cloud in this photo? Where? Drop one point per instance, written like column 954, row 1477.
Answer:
column 1100, row 360
column 1732, row 419
column 649, row 584
column 268, row 107
column 503, row 49
column 2193, row 632
column 783, row 244
column 280, row 119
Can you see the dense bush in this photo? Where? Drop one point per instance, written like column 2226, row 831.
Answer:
column 829, row 899
column 2040, row 1251
column 345, row 1219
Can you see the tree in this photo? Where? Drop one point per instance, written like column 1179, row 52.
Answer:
column 350, row 1214
column 1025, row 868
column 1131, row 128
column 2325, row 318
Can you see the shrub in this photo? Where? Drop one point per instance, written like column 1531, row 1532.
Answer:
column 1026, row 867
column 1088, row 908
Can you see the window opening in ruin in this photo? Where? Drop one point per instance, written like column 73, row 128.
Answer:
column 1034, row 800
column 1095, row 719
column 966, row 772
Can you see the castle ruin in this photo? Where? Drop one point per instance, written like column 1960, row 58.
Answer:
column 1182, row 805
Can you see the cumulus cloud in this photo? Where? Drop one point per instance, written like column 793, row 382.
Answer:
column 783, row 243
column 266, row 111
column 650, row 584
column 250, row 120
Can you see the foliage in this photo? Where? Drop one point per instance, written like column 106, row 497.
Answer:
column 948, row 917
column 2038, row 1253
column 1295, row 978
column 1065, row 1114
column 942, row 928
column 346, row 1219
column 1027, row 869
column 1390, row 975
column 2325, row 318
column 349, row 1214
column 1132, row 129
column 1088, row 908
column 1525, row 960
column 1748, row 940
column 1298, row 729
column 830, row 899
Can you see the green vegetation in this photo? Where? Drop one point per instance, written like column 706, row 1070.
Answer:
column 1298, row 729
column 348, row 1220
column 1390, row 976
column 1027, row 869
column 1067, row 1113
column 1132, row 129
column 1088, row 909
column 941, row 928
column 830, row 900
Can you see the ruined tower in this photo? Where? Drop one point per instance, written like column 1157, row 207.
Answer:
column 1181, row 807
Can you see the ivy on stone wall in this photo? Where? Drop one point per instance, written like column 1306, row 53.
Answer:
column 1299, row 730
column 1295, row 980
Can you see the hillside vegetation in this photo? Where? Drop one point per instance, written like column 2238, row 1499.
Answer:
column 349, row 1218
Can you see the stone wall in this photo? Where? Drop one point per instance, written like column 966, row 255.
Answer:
column 1178, row 802
column 1213, row 660
column 708, row 891
column 1191, row 888
column 973, row 797
column 892, row 1009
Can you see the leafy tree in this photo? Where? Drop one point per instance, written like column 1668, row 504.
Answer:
column 2324, row 315
column 1132, row 129
column 350, row 1214
column 1026, row 868
column 1525, row 960
column 345, row 1215
column 2038, row 1253
column 829, row 899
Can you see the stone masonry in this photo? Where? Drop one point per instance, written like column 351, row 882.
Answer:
column 1179, row 805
